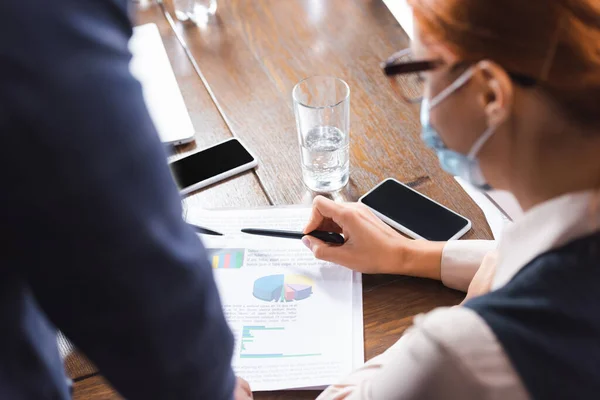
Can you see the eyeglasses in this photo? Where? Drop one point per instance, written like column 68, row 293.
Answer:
column 408, row 82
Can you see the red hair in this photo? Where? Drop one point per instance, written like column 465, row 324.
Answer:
column 556, row 42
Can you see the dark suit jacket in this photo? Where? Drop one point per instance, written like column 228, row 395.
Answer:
column 92, row 238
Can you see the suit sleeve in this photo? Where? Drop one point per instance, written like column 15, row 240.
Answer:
column 108, row 257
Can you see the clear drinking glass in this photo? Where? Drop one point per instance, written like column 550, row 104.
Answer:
column 322, row 108
column 198, row 11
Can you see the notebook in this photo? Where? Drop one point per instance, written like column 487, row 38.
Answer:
column 150, row 65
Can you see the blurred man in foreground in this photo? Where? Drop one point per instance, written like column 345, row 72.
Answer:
column 94, row 243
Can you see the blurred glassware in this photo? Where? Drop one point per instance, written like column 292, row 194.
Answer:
column 197, row 11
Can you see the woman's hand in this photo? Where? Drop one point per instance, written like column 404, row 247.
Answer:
column 371, row 246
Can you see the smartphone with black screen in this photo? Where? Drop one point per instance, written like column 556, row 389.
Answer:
column 211, row 165
column 414, row 214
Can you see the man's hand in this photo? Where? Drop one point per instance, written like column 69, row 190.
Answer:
column 242, row 390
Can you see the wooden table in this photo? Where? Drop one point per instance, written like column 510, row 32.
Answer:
column 236, row 74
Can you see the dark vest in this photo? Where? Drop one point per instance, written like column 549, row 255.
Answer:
column 547, row 319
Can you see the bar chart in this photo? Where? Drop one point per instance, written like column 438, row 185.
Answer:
column 273, row 342
column 226, row 258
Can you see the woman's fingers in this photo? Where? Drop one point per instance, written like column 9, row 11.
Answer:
column 328, row 226
column 330, row 209
column 315, row 221
column 326, row 252
column 322, row 216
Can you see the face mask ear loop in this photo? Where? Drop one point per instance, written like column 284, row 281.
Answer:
column 480, row 142
column 464, row 78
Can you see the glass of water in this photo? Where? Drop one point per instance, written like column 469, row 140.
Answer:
column 322, row 107
column 197, row 11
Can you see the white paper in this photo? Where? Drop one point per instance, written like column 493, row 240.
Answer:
column 506, row 202
column 150, row 65
column 297, row 321
column 495, row 218
column 403, row 14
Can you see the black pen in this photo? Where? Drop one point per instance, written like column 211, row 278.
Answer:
column 203, row 230
column 328, row 237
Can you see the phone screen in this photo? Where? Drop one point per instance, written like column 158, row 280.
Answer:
column 210, row 162
column 415, row 212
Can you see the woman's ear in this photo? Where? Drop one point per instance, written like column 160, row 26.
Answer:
column 497, row 94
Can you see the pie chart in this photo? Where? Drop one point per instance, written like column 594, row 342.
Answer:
column 282, row 287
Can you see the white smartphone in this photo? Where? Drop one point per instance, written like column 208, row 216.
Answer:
column 211, row 165
column 414, row 214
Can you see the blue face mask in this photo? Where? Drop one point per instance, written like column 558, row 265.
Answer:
column 464, row 166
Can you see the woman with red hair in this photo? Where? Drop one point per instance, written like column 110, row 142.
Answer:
column 511, row 100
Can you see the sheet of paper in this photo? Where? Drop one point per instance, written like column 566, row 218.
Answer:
column 402, row 13
column 229, row 222
column 507, row 203
column 297, row 321
column 495, row 218
column 150, row 65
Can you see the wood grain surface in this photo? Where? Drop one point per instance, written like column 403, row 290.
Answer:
column 253, row 54
column 240, row 191
column 248, row 59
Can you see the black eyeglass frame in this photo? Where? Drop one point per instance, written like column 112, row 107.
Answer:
column 392, row 67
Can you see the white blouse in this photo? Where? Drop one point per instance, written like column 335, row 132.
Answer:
column 452, row 352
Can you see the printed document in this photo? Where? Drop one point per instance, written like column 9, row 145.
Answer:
column 297, row 321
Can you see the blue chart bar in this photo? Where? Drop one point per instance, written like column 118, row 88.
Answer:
column 268, row 342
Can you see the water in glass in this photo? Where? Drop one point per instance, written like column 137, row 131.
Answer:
column 325, row 158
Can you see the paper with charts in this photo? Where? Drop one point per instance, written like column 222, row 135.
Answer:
column 297, row 321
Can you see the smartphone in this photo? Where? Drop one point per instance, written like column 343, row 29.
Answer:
column 414, row 214
column 211, row 165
